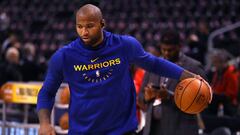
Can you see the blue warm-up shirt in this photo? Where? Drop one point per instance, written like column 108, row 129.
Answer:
column 103, row 99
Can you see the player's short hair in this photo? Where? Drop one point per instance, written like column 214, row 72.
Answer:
column 170, row 37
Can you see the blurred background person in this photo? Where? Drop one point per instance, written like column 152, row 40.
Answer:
column 224, row 84
column 29, row 64
column 10, row 69
column 163, row 117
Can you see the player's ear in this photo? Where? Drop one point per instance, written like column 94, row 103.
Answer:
column 103, row 23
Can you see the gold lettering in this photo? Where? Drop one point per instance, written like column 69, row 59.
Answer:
column 96, row 66
column 77, row 67
column 111, row 62
column 101, row 65
column 105, row 64
column 90, row 67
column 117, row 60
column 84, row 67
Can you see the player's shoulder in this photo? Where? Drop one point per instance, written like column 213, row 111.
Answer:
column 68, row 46
column 65, row 49
column 129, row 39
column 123, row 37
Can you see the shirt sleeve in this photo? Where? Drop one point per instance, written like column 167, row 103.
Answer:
column 54, row 77
column 136, row 55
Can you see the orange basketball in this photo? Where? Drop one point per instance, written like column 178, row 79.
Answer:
column 63, row 121
column 192, row 95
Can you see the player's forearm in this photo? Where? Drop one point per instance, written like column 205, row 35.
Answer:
column 44, row 116
column 187, row 74
column 160, row 66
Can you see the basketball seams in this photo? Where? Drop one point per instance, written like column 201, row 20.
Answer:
column 192, row 96
column 195, row 96
column 202, row 107
column 210, row 92
column 206, row 101
column 204, row 104
column 180, row 104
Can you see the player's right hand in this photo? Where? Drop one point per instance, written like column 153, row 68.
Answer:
column 46, row 129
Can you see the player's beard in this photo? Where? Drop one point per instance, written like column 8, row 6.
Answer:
column 94, row 41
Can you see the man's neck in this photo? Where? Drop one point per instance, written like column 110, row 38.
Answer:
column 99, row 41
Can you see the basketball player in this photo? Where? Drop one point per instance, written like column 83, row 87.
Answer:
column 96, row 67
column 163, row 117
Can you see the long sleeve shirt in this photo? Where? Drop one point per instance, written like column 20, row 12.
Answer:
column 103, row 98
